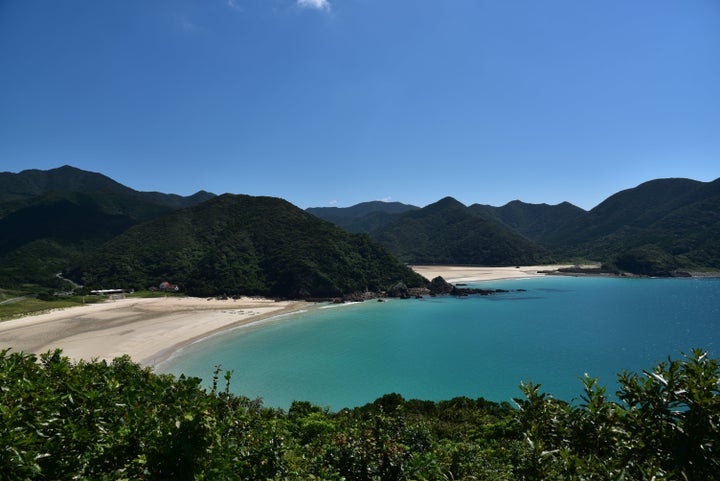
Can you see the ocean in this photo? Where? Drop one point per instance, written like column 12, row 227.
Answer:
column 552, row 332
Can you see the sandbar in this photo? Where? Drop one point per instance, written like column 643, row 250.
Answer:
column 148, row 330
column 460, row 274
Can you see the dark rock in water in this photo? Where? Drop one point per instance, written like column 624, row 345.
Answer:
column 465, row 291
column 418, row 292
column 440, row 286
column 680, row 274
column 399, row 290
column 437, row 287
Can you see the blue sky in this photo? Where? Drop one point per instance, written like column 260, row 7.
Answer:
column 335, row 102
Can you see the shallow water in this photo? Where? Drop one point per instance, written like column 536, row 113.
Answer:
column 438, row 348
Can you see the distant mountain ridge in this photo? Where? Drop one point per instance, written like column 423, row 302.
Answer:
column 534, row 221
column 448, row 232
column 32, row 182
column 51, row 219
column 102, row 233
column 656, row 228
column 364, row 217
column 67, row 219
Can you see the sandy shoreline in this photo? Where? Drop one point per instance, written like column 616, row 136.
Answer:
column 460, row 274
column 150, row 330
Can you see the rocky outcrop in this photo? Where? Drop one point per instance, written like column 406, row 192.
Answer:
column 399, row 290
column 440, row 286
column 436, row 287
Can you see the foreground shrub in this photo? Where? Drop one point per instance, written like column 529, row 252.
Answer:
column 117, row 420
column 665, row 425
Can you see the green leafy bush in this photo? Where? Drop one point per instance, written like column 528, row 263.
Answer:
column 119, row 421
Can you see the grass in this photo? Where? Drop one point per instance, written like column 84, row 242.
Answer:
column 154, row 294
column 31, row 305
column 6, row 294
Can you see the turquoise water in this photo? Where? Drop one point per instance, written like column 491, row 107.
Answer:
column 439, row 348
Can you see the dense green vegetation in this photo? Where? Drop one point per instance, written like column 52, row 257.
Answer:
column 114, row 421
column 654, row 229
column 32, row 183
column 103, row 234
column 50, row 220
column 238, row 244
column 534, row 221
column 447, row 232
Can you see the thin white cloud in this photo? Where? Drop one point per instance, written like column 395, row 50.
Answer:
column 234, row 5
column 187, row 25
column 386, row 199
column 333, row 203
column 317, row 4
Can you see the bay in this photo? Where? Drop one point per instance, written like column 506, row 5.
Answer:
column 552, row 332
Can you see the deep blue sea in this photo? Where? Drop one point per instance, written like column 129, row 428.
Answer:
column 476, row 346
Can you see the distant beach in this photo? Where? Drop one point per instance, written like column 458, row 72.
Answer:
column 461, row 274
column 149, row 330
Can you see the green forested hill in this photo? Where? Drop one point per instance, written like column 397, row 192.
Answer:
column 652, row 229
column 534, row 221
column 50, row 220
column 46, row 234
column 32, row 183
column 237, row 244
column 630, row 209
column 447, row 232
column 655, row 228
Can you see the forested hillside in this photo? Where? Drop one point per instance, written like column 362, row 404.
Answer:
column 58, row 220
column 656, row 228
column 50, row 220
column 535, row 221
column 237, row 244
column 447, row 232
column 31, row 183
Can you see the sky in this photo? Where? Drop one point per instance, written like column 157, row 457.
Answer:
column 336, row 102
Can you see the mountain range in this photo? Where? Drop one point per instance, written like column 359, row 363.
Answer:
column 104, row 234
column 655, row 228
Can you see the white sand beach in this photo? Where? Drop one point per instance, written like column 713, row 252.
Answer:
column 148, row 330
column 460, row 274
